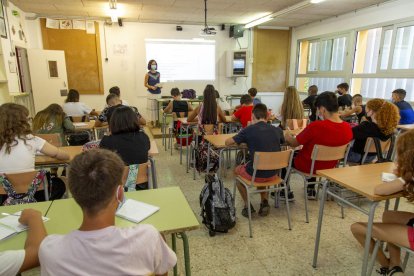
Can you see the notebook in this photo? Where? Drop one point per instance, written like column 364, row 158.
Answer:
column 80, row 124
column 136, row 211
column 10, row 225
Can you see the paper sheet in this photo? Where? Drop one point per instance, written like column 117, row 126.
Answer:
column 136, row 211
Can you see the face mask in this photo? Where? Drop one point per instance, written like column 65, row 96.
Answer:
column 340, row 93
column 120, row 202
column 153, row 67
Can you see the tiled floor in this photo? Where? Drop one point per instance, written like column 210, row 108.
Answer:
column 273, row 250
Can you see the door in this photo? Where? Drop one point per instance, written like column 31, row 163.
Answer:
column 48, row 76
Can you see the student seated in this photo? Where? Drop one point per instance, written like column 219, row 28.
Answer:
column 244, row 113
column 73, row 107
column 384, row 120
column 224, row 105
column 310, row 101
column 397, row 227
column 406, row 110
column 18, row 147
column 330, row 131
column 13, row 262
column 261, row 137
column 177, row 105
column 292, row 107
column 51, row 120
column 357, row 108
column 113, row 102
column 253, row 92
column 126, row 139
column 344, row 99
column 115, row 90
column 99, row 247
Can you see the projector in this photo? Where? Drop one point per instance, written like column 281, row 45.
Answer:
column 208, row 32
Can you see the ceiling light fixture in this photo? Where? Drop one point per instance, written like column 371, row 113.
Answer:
column 294, row 8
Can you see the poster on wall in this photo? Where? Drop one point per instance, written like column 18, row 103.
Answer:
column 65, row 24
column 3, row 30
column 78, row 25
column 53, row 69
column 52, row 24
column 90, row 27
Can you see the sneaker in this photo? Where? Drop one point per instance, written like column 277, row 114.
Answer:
column 245, row 211
column 311, row 194
column 382, row 271
column 396, row 270
column 291, row 196
column 264, row 208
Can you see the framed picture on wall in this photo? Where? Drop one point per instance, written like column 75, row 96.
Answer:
column 3, row 30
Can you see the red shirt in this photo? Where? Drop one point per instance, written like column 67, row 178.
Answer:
column 244, row 114
column 326, row 133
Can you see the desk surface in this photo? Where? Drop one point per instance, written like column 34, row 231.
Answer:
column 47, row 160
column 185, row 122
column 85, row 125
column 218, row 140
column 406, row 127
column 175, row 215
column 361, row 179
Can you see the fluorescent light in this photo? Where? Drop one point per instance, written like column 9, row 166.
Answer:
column 316, row 1
column 258, row 22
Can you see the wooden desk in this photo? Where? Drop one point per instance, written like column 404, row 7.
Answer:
column 218, row 141
column 406, row 127
column 43, row 160
column 293, row 132
column 361, row 180
column 84, row 125
column 174, row 217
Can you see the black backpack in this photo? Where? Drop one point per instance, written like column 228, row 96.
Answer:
column 217, row 208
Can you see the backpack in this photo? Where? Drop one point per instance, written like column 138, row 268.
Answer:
column 79, row 138
column 217, row 208
column 189, row 94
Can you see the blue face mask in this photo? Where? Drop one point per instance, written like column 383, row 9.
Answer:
column 153, row 67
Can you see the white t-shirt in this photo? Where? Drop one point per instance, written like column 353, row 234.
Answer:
column 11, row 262
column 76, row 109
column 138, row 250
column 22, row 156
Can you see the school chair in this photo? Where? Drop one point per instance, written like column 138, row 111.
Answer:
column 383, row 149
column 378, row 245
column 139, row 174
column 296, row 123
column 321, row 153
column 52, row 138
column 79, row 119
column 22, row 183
column 267, row 161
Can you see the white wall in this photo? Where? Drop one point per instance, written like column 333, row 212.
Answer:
column 385, row 13
column 128, row 71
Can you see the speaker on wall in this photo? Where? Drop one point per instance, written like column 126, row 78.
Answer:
column 120, row 22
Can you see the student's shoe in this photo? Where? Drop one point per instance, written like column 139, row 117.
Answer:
column 291, row 196
column 245, row 211
column 382, row 270
column 311, row 194
column 264, row 208
column 396, row 270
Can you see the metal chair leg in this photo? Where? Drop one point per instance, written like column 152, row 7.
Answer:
column 305, row 185
column 287, row 206
column 249, row 212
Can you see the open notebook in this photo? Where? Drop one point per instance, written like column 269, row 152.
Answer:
column 10, row 225
column 136, row 211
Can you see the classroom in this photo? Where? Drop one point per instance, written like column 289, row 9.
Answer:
column 206, row 137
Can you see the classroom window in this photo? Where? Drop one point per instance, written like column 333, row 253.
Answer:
column 403, row 57
column 324, row 84
column 366, row 51
column 180, row 59
column 382, row 87
column 386, row 49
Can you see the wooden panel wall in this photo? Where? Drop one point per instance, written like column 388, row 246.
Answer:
column 82, row 54
column 271, row 53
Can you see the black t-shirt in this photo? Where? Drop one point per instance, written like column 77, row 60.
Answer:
column 345, row 100
column 362, row 132
column 180, row 106
column 261, row 137
column 133, row 147
column 310, row 101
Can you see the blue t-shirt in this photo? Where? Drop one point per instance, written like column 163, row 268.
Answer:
column 406, row 113
column 153, row 80
column 261, row 137
column 256, row 101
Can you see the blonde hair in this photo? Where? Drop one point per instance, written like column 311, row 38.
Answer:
column 405, row 162
column 292, row 107
column 386, row 115
column 45, row 116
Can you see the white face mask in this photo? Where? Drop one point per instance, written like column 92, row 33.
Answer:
column 120, row 202
column 153, row 67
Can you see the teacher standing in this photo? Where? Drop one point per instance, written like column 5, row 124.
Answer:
column 152, row 83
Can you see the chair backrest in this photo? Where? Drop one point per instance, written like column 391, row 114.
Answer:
column 142, row 175
column 325, row 153
column 371, row 148
column 177, row 115
column 272, row 160
column 78, row 119
column 21, row 182
column 296, row 123
column 52, row 138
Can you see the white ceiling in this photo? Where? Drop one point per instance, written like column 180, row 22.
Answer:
column 192, row 11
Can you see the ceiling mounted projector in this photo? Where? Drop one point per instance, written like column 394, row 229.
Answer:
column 207, row 31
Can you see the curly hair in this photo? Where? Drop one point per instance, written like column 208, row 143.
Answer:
column 45, row 116
column 13, row 125
column 292, row 107
column 386, row 115
column 405, row 162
